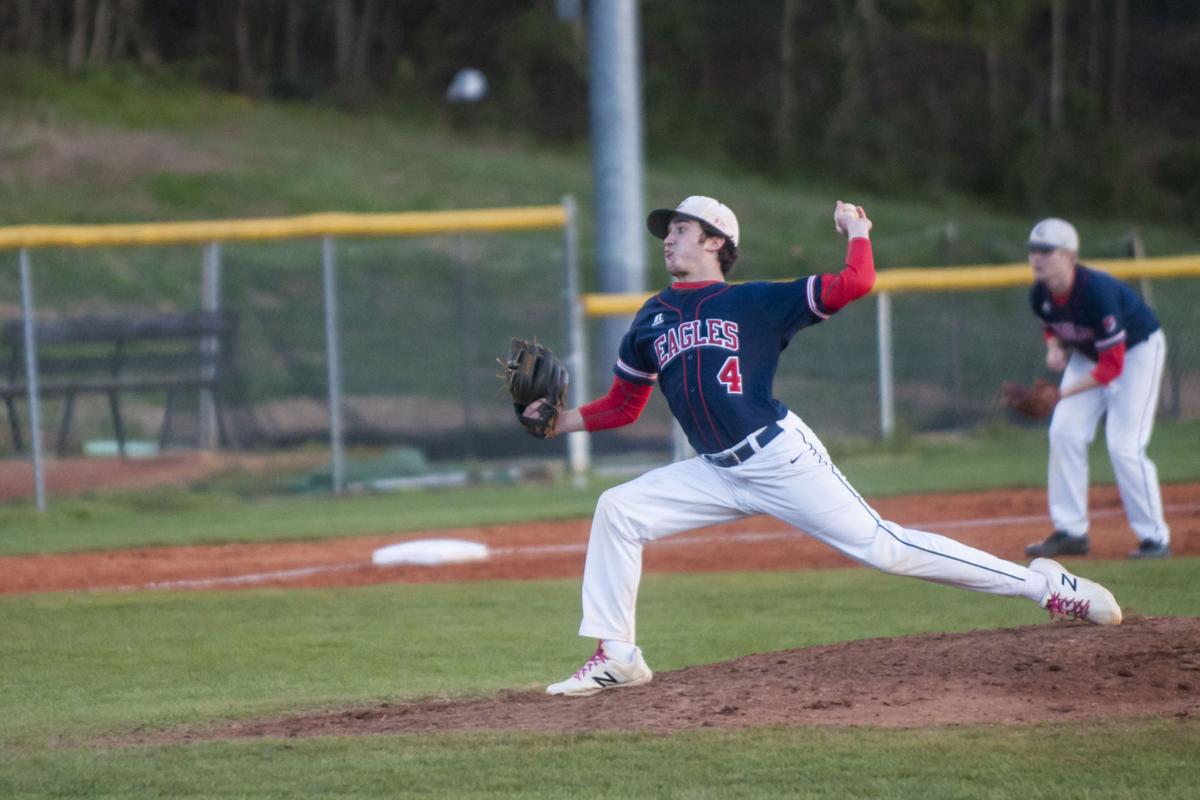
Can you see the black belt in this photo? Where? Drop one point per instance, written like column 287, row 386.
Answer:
column 741, row 453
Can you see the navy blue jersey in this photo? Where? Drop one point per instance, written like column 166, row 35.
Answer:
column 714, row 348
column 1100, row 313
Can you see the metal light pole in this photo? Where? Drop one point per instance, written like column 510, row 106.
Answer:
column 617, row 159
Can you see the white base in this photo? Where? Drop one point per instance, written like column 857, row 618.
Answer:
column 429, row 552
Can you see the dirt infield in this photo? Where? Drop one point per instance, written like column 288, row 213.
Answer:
column 1147, row 667
column 1150, row 666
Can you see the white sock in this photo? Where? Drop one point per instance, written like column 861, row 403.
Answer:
column 620, row 651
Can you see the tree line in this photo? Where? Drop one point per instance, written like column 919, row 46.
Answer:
column 1049, row 104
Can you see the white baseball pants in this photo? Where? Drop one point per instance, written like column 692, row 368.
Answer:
column 792, row 479
column 1130, row 401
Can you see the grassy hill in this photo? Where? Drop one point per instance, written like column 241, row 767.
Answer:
column 117, row 145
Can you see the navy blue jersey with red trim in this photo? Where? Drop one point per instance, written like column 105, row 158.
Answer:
column 714, row 348
column 1100, row 312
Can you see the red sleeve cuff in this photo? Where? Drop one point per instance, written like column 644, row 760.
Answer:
column 622, row 405
column 1112, row 361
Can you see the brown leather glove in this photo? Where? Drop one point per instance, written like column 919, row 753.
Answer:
column 532, row 372
column 1035, row 402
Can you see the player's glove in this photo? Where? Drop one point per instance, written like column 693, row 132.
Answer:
column 532, row 372
column 1035, row 402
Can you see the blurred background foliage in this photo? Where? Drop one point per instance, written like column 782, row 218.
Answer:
column 956, row 123
column 1037, row 105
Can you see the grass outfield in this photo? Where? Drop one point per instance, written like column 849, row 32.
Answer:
column 229, row 511
column 1127, row 760
column 87, row 665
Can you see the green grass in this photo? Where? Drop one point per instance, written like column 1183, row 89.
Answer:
column 82, row 666
column 1000, row 456
column 174, row 516
column 1127, row 760
column 77, row 665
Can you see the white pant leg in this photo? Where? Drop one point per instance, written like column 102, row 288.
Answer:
column 678, row 497
column 1132, row 403
column 1072, row 429
column 794, row 480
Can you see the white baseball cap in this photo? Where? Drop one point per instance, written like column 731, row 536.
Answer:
column 1053, row 233
column 708, row 212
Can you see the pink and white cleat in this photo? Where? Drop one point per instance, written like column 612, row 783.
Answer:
column 602, row 672
column 1072, row 597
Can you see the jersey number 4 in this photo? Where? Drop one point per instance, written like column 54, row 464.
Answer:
column 730, row 375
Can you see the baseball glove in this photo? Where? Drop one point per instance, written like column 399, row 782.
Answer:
column 1035, row 402
column 532, row 372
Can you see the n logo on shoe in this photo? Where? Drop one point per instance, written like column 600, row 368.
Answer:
column 1067, row 580
column 604, row 680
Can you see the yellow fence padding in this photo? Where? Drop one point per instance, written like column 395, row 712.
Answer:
column 415, row 223
column 941, row 279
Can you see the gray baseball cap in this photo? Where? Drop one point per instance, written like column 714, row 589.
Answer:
column 710, row 213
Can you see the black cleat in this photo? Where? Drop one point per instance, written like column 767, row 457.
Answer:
column 1059, row 543
column 1151, row 549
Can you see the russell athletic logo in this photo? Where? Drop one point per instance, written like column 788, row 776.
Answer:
column 658, row 319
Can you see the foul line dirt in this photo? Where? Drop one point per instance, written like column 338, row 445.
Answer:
column 1000, row 522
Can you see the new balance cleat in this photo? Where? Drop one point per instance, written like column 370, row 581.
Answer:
column 1072, row 597
column 602, row 672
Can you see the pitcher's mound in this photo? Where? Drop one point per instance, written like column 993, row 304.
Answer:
column 1150, row 666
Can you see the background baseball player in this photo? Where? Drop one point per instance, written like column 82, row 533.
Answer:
column 714, row 347
column 1110, row 349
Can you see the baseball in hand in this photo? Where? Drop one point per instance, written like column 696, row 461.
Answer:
column 843, row 213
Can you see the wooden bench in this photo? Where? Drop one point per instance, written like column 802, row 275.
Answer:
column 176, row 353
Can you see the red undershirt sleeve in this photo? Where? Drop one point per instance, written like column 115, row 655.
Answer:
column 1112, row 361
column 622, row 405
column 853, row 282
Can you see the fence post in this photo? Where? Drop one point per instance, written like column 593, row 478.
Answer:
column 1137, row 250
column 887, row 389
column 333, row 359
column 958, row 390
column 467, row 337
column 579, row 455
column 1170, row 399
column 210, row 301
column 31, row 372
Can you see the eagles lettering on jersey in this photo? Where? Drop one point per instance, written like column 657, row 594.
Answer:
column 1099, row 313
column 714, row 347
column 695, row 333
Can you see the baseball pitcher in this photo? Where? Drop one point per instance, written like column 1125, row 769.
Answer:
column 713, row 348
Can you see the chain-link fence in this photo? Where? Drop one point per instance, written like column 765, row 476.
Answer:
column 420, row 323
column 422, row 319
column 950, row 351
